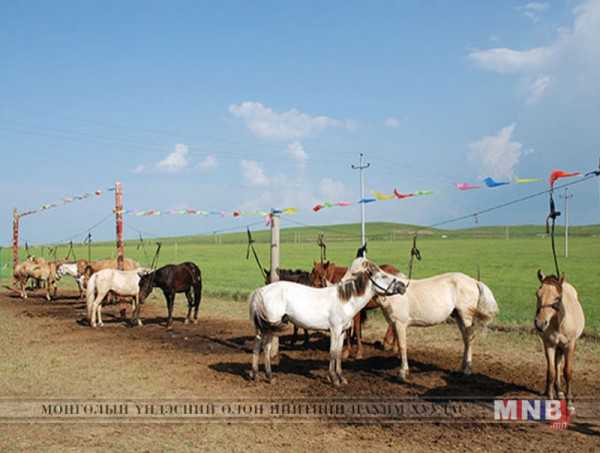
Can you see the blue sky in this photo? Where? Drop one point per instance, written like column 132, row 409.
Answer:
column 253, row 105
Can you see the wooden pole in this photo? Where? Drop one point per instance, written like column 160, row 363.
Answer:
column 15, row 241
column 119, row 221
column 275, row 247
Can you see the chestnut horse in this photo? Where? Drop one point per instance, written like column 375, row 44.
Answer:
column 327, row 273
column 559, row 321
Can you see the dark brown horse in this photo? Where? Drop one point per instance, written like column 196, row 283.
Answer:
column 172, row 279
column 328, row 273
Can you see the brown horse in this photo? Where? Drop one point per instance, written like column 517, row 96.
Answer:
column 559, row 321
column 328, row 273
column 37, row 269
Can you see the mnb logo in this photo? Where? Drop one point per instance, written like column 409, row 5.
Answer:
column 554, row 411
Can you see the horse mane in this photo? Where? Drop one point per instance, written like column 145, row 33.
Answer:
column 354, row 287
column 553, row 280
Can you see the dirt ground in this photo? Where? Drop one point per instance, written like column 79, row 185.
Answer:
column 47, row 353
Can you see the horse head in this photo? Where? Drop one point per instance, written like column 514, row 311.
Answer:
column 146, row 283
column 320, row 272
column 549, row 300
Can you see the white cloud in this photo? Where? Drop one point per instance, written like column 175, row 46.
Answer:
column 538, row 88
column 264, row 122
column 570, row 62
column 175, row 161
column 139, row 169
column 210, row 162
column 392, row 122
column 496, row 155
column 332, row 190
column 253, row 173
column 533, row 10
column 509, row 61
column 296, row 151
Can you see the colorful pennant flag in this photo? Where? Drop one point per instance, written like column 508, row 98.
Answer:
column 527, row 180
column 466, row 186
column 557, row 174
column 490, row 182
column 381, row 196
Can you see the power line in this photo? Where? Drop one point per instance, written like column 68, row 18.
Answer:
column 506, row 204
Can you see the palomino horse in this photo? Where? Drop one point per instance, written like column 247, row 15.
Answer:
column 330, row 308
column 559, row 321
column 327, row 273
column 296, row 276
column 37, row 269
column 122, row 283
column 172, row 279
column 432, row 301
column 88, row 268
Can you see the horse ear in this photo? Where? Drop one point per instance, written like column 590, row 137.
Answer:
column 561, row 280
column 541, row 276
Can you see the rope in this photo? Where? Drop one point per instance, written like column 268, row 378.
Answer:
column 251, row 246
column 414, row 253
column 552, row 216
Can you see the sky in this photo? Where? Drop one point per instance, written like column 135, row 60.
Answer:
column 258, row 105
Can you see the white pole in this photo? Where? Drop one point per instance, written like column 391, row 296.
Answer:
column 274, row 247
column 360, row 168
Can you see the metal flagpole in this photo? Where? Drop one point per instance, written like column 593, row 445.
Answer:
column 360, row 167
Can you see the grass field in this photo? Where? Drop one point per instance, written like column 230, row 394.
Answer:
column 508, row 266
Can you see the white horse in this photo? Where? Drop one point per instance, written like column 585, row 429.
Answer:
column 122, row 283
column 71, row 269
column 332, row 308
column 432, row 301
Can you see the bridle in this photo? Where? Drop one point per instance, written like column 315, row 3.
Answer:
column 386, row 291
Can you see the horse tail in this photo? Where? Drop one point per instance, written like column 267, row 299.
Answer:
column 486, row 308
column 90, row 295
column 197, row 288
column 257, row 315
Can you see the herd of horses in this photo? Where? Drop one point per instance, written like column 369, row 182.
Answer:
column 334, row 299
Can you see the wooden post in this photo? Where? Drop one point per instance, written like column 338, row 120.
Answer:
column 15, row 241
column 119, row 221
column 275, row 247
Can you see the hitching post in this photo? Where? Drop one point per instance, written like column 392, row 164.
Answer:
column 275, row 246
column 119, row 221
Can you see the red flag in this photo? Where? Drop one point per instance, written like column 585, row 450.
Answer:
column 557, row 174
column 318, row 207
column 402, row 196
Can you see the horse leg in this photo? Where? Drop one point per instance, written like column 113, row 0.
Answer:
column 275, row 347
column 256, row 356
column 358, row 334
column 568, row 374
column 389, row 340
column 268, row 342
column 294, row 335
column 400, row 334
column 466, row 329
column 558, row 357
column 550, row 352
column 334, row 352
column 338, row 362
column 138, row 309
column 197, row 298
column 188, row 295
column 306, row 338
column 170, row 303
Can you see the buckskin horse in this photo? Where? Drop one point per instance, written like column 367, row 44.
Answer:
column 559, row 321
column 327, row 273
column 175, row 278
column 331, row 308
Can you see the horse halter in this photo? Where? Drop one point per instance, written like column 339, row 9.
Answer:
column 386, row 291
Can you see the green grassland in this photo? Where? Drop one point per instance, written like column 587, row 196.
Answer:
column 508, row 261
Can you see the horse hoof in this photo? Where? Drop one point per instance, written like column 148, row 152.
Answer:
column 359, row 355
column 270, row 379
column 252, row 375
column 195, row 321
column 140, row 323
column 343, row 380
column 345, row 354
column 187, row 321
column 403, row 376
column 467, row 371
column 561, row 395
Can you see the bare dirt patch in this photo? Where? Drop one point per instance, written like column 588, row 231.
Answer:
column 48, row 352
